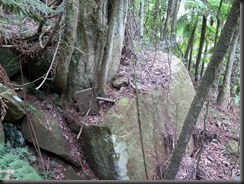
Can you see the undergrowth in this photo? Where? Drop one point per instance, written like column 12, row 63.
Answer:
column 14, row 164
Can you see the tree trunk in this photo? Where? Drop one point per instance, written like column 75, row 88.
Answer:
column 174, row 20
column 202, row 39
column 214, row 87
column 223, row 98
column 66, row 46
column 203, row 62
column 155, row 28
column 92, row 38
column 218, row 23
column 112, row 53
column 197, row 103
column 235, row 75
column 190, row 42
column 190, row 58
column 168, row 19
column 141, row 30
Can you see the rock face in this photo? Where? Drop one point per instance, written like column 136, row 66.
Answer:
column 140, row 137
column 96, row 140
column 50, row 136
column 15, row 106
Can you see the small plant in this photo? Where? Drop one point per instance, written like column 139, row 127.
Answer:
column 12, row 167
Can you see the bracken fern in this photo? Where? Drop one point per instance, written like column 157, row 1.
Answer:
column 13, row 168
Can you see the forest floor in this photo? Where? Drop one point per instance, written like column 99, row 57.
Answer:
column 218, row 155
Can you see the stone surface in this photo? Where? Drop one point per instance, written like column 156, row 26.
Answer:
column 70, row 174
column 98, row 148
column 233, row 146
column 49, row 135
column 87, row 101
column 15, row 106
column 120, row 82
column 137, row 144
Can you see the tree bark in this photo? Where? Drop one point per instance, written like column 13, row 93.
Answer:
column 174, row 20
column 203, row 62
column 111, row 61
column 91, row 44
column 202, row 39
column 235, row 75
column 218, row 23
column 190, row 42
column 214, row 87
column 66, row 47
column 223, row 98
column 141, row 30
column 197, row 103
column 168, row 19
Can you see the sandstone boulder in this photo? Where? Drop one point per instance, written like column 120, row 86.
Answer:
column 14, row 105
column 136, row 139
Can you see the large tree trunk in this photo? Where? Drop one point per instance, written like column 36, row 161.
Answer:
column 223, row 98
column 218, row 23
column 91, row 44
column 214, row 87
column 235, row 75
column 112, row 53
column 174, row 20
column 168, row 20
column 197, row 103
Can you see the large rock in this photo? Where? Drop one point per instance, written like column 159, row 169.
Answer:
column 137, row 140
column 49, row 135
column 96, row 140
column 14, row 105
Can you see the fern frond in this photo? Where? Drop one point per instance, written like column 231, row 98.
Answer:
column 32, row 176
column 14, row 168
column 27, row 173
column 2, row 150
column 9, row 157
column 17, row 164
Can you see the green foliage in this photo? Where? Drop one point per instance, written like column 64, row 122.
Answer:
column 13, row 167
column 30, row 8
column 198, row 6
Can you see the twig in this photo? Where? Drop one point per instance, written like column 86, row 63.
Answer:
column 105, row 99
column 78, row 136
